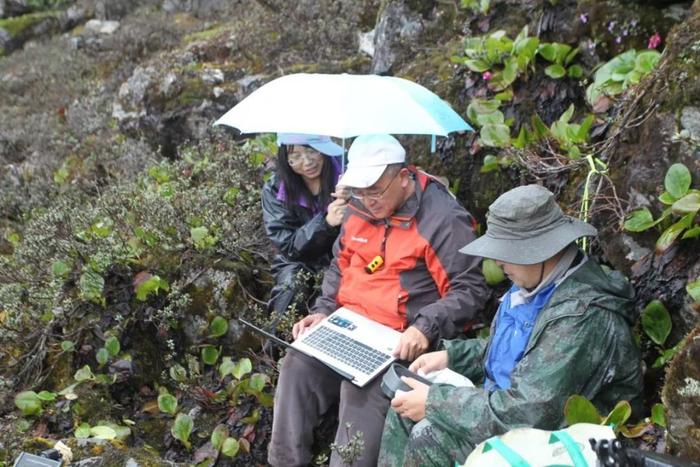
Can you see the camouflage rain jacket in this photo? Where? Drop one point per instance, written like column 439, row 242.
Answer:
column 581, row 344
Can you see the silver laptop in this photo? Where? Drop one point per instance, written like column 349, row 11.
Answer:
column 351, row 343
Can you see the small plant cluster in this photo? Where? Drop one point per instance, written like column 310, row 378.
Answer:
column 678, row 218
column 578, row 409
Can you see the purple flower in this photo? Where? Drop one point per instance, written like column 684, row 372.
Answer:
column 583, row 18
column 618, row 40
column 486, row 75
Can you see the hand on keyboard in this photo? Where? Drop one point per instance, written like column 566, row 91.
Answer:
column 411, row 345
column 306, row 323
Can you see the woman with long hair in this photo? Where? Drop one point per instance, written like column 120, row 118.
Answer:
column 302, row 218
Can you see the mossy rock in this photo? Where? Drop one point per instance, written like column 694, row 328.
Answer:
column 681, row 398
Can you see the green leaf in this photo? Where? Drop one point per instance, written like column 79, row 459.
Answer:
column 578, row 409
column 152, row 285
column 670, row 235
column 619, row 415
column 689, row 204
column 495, row 135
column 102, row 356
column 182, row 428
column 226, row 367
column 230, row 447
column 167, row 403
column 634, row 431
column 693, row 289
column 547, row 51
column 112, row 345
column 198, row 234
column 82, row 431
column 67, row 346
column 666, row 356
column 538, row 126
column 103, row 432
column 218, row 327
column 257, row 383
column 667, row 199
column 242, row 368
column 218, row 436
column 656, row 322
column 492, row 272
column 84, row 374
column 490, row 164
column 251, row 419
column 692, row 233
column 575, row 71
column 28, row 402
column 178, row 373
column 60, row 268
column 677, row 180
column 639, row 220
column 47, row 396
column 646, row 61
column 210, row 355
column 91, row 285
column 477, row 65
column 658, row 415
column 555, row 71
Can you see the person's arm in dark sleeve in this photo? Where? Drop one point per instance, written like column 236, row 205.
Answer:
column 301, row 243
column 458, row 277
column 327, row 302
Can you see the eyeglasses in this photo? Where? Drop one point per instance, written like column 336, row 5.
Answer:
column 298, row 157
column 373, row 196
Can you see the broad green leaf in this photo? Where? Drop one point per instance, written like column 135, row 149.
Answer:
column 47, row 396
column 571, row 55
column 619, row 415
column 490, row 164
column 218, row 327
column 658, row 415
column 495, row 135
column 667, row 199
column 242, row 368
column 639, row 220
column 677, row 180
column 688, row 204
column 492, row 272
column 82, row 431
column 151, row 286
column 510, row 72
column 257, row 382
column 670, row 235
column 230, row 447
column 666, row 356
column 656, row 322
column 539, row 127
column 102, row 356
column 265, row 399
column 67, row 346
column 60, row 268
column 578, row 409
column 646, row 61
column 182, row 428
column 575, row 71
column 555, row 71
column 693, row 289
column 477, row 65
column 506, row 95
column 112, row 345
column 692, row 233
column 493, row 118
column 178, row 373
column 28, row 402
column 167, row 403
column 251, row 419
column 84, row 374
column 91, row 285
column 582, row 134
column 198, row 234
column 103, row 432
column 218, row 436
column 210, row 355
column 231, row 196
column 226, row 367
column 479, row 107
column 548, row 52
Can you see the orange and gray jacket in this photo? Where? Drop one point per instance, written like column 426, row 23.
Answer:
column 424, row 281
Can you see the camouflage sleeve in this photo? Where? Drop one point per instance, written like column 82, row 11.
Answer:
column 466, row 357
column 571, row 356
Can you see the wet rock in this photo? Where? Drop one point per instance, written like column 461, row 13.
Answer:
column 396, row 23
column 101, row 27
column 212, row 76
column 690, row 121
column 89, row 462
column 681, row 398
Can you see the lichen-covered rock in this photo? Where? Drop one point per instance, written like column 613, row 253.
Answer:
column 681, row 397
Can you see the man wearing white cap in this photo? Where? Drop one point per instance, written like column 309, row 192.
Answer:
column 395, row 263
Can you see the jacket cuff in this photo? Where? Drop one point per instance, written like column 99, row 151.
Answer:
column 426, row 327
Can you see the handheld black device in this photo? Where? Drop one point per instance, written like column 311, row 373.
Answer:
column 392, row 379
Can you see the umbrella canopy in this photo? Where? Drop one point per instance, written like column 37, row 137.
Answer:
column 343, row 106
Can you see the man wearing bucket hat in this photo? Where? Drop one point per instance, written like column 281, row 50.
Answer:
column 563, row 328
column 395, row 263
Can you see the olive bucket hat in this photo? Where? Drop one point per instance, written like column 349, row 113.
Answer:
column 526, row 226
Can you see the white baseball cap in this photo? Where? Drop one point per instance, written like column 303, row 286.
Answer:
column 368, row 157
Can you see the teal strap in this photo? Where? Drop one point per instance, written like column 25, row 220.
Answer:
column 571, row 447
column 507, row 453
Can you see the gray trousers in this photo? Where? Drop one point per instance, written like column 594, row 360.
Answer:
column 305, row 392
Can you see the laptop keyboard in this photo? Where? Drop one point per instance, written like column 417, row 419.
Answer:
column 349, row 351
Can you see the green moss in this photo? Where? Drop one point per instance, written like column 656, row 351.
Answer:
column 205, row 35
column 17, row 25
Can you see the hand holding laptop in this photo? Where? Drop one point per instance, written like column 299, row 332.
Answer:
column 306, row 323
column 412, row 344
